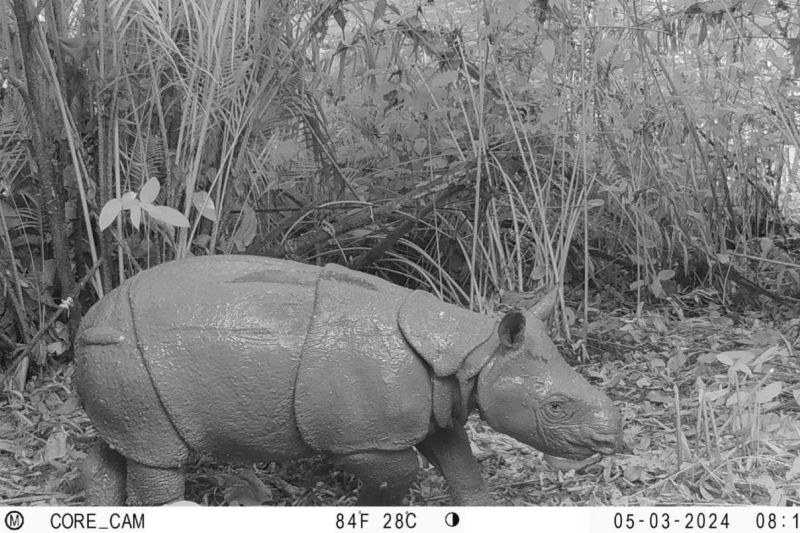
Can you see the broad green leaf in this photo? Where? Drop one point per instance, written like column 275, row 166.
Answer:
column 740, row 366
column 246, row 230
column 634, row 118
column 287, row 150
column 604, row 48
column 436, row 163
column 340, row 19
column 637, row 284
column 109, row 213
column 444, row 78
column 550, row 113
column 136, row 215
column 738, row 397
column 149, row 191
column 629, row 66
column 202, row 240
column 129, row 200
column 205, row 205
column 627, row 133
column 657, row 289
column 703, row 32
column 378, row 12
column 636, row 259
column 766, row 246
column 778, row 61
column 769, row 392
column 595, row 202
column 697, row 216
column 548, row 51
column 168, row 215
column 666, row 274
column 10, row 213
column 714, row 395
column 729, row 358
column 659, row 397
column 794, row 470
column 56, row 347
column 56, row 445
column 768, row 354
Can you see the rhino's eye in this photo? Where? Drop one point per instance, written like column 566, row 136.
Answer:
column 556, row 408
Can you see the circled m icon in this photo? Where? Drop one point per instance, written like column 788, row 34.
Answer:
column 14, row 520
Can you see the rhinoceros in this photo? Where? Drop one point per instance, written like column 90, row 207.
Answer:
column 241, row 359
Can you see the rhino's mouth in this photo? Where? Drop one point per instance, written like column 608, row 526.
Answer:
column 575, row 452
column 561, row 463
column 588, row 444
column 588, row 450
column 606, row 447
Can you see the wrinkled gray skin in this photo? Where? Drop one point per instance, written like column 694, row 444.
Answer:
column 243, row 359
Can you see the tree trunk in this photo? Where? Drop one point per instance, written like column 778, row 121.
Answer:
column 43, row 146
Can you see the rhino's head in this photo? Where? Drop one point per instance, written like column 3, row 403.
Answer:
column 529, row 392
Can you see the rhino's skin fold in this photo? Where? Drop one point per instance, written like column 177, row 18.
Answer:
column 247, row 359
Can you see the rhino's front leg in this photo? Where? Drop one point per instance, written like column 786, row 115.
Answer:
column 449, row 450
column 385, row 476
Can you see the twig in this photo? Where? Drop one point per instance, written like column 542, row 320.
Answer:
column 678, row 430
column 763, row 260
column 31, row 499
column 289, row 220
column 47, row 325
column 381, row 248
column 306, row 242
column 6, row 343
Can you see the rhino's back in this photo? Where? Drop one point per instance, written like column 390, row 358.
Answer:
column 221, row 338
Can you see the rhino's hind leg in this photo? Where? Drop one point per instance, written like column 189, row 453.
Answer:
column 104, row 476
column 148, row 485
column 385, row 476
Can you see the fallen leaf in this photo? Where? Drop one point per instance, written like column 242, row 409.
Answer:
column 676, row 362
column 633, row 473
column 56, row 446
column 764, row 337
column 794, row 470
column 68, row 407
column 735, row 356
column 244, row 489
column 769, row 392
column 659, row 397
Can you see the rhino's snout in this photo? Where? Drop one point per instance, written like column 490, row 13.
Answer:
column 605, row 434
column 597, row 430
column 604, row 443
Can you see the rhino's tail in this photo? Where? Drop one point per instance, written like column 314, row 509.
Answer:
column 102, row 335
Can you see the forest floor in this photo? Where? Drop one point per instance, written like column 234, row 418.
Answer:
column 734, row 438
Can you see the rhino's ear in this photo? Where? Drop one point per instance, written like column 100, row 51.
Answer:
column 511, row 330
column 544, row 307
